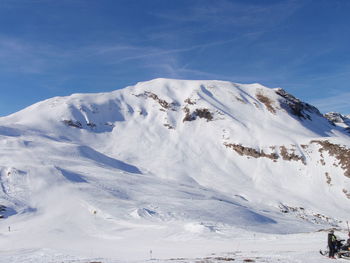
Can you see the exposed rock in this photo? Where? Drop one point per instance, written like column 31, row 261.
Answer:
column 291, row 156
column 188, row 115
column 169, row 126
column 216, row 259
column 284, row 153
column 336, row 117
column 329, row 179
column 247, row 151
column 295, row 106
column 346, row 192
column 287, row 209
column 91, row 124
column 266, row 101
column 189, row 101
column 304, row 146
column 204, row 113
column 163, row 103
column 341, row 153
column 201, row 113
column 309, row 216
column 75, row 124
column 110, row 124
column 78, row 124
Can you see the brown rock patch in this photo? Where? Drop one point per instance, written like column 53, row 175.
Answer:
column 201, row 113
column 189, row 101
column 163, row 103
column 266, row 101
column 247, row 151
column 290, row 156
column 341, row 153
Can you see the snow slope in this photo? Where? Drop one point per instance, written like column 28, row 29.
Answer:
column 165, row 163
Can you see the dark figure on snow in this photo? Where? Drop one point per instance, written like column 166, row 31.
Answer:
column 332, row 242
column 347, row 245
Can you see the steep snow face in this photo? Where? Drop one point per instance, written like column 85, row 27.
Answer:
column 172, row 157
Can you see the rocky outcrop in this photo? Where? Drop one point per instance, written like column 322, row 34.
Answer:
column 307, row 215
column 295, row 106
column 341, row 153
column 251, row 152
column 163, row 103
column 201, row 113
column 336, row 117
column 72, row 123
column 286, row 154
column 339, row 119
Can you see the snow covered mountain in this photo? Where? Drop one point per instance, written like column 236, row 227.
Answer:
column 339, row 120
column 169, row 159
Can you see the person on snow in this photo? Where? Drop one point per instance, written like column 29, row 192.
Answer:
column 332, row 242
column 347, row 245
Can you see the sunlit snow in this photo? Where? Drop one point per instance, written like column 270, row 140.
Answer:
column 170, row 169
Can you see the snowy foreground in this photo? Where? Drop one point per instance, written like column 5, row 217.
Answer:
column 255, row 248
column 194, row 171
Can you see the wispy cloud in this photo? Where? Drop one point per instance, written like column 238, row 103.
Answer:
column 338, row 103
column 17, row 55
column 142, row 52
column 224, row 14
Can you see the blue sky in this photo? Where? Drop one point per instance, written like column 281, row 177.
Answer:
column 58, row 47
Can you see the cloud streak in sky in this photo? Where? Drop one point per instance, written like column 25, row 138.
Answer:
column 25, row 57
column 17, row 55
column 338, row 103
column 225, row 15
